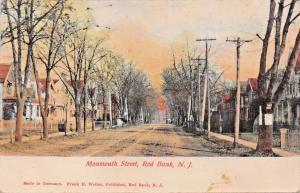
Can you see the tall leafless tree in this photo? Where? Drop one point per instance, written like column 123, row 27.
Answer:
column 269, row 91
column 47, row 53
column 81, row 54
column 23, row 31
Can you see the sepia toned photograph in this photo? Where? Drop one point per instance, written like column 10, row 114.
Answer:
column 162, row 84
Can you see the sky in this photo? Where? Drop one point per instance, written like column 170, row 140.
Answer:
column 148, row 32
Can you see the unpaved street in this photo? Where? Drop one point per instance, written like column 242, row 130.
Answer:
column 142, row 140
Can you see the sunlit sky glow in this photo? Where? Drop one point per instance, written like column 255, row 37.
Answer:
column 146, row 31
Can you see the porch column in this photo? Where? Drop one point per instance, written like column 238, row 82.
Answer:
column 282, row 112
column 289, row 117
column 297, row 115
column 276, row 114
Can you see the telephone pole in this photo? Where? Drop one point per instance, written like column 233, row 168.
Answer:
column 198, row 60
column 238, row 43
column 206, row 85
column 110, row 108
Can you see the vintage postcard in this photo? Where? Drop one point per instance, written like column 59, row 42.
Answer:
column 149, row 96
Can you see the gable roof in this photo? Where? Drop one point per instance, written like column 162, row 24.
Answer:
column 297, row 67
column 69, row 82
column 4, row 69
column 55, row 81
column 226, row 97
column 253, row 84
column 43, row 84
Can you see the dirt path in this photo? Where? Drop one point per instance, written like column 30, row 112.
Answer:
column 142, row 140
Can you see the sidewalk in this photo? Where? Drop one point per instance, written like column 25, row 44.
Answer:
column 252, row 145
column 35, row 137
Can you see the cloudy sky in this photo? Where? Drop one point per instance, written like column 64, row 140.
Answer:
column 146, row 31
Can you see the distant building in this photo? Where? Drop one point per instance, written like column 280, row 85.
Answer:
column 286, row 114
column 8, row 104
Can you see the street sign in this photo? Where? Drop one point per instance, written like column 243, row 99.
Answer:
column 268, row 117
column 269, row 106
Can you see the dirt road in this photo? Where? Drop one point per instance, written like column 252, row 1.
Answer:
column 142, row 140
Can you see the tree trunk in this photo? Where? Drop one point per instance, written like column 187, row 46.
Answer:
column 46, row 106
column 19, row 120
column 104, row 110
column 84, row 116
column 77, row 117
column 265, row 134
column 39, row 92
column 264, row 143
column 45, row 126
column 93, row 115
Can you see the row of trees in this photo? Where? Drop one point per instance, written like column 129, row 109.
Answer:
column 48, row 37
column 180, row 83
column 183, row 88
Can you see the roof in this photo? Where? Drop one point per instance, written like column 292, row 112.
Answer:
column 253, row 84
column 4, row 69
column 43, row 84
column 80, row 83
column 226, row 97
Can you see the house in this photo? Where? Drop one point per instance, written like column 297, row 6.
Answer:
column 8, row 104
column 223, row 120
column 226, row 111
column 287, row 112
column 248, row 109
column 5, row 87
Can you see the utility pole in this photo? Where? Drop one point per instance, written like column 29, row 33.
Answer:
column 206, row 85
column 126, row 110
column 198, row 60
column 189, row 112
column 110, row 108
column 238, row 43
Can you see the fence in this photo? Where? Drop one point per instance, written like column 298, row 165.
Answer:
column 292, row 139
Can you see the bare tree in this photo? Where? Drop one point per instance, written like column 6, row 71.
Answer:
column 106, row 73
column 269, row 92
column 81, row 54
column 182, row 80
column 23, row 19
column 123, row 82
column 141, row 96
column 48, row 52
column 93, row 54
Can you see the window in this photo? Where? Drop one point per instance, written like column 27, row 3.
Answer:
column 242, row 101
column 37, row 111
column 8, row 90
column 9, row 87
